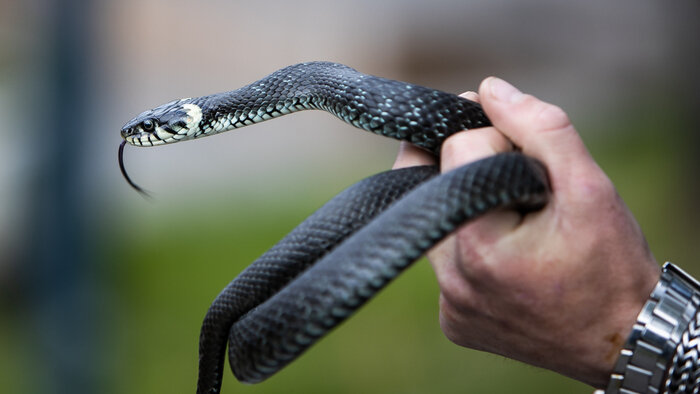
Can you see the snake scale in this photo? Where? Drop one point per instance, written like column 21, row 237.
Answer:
column 349, row 249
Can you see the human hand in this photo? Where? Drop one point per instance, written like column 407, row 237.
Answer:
column 560, row 288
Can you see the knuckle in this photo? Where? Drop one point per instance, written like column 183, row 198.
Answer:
column 495, row 140
column 473, row 145
column 597, row 188
column 552, row 117
column 453, row 318
column 454, row 288
column 547, row 116
column 452, row 146
column 448, row 318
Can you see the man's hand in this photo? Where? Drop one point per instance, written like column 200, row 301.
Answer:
column 559, row 288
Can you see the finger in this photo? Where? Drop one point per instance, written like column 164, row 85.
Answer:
column 460, row 149
column 544, row 131
column 471, row 145
column 410, row 156
column 469, row 95
column 541, row 129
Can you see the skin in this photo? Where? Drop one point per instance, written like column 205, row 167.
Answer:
column 560, row 288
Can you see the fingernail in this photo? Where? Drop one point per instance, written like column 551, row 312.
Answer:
column 503, row 91
column 473, row 96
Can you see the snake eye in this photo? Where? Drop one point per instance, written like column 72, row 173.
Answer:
column 148, row 125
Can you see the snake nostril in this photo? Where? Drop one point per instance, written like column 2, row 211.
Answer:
column 127, row 132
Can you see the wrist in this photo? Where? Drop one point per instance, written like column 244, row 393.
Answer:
column 644, row 360
column 614, row 320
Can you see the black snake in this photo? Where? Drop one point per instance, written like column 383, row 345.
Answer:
column 345, row 252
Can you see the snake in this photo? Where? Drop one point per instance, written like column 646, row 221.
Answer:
column 355, row 244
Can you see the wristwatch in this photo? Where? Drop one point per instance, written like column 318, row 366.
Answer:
column 643, row 362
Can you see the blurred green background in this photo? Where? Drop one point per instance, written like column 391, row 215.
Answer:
column 103, row 291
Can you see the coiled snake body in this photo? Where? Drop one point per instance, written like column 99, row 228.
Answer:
column 345, row 252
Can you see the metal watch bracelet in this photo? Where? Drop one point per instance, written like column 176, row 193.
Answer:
column 643, row 362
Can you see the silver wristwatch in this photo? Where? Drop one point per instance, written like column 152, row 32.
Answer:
column 644, row 360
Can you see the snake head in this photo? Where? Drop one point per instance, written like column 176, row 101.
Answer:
column 175, row 121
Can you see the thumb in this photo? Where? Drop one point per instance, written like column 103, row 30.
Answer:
column 540, row 129
column 543, row 131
